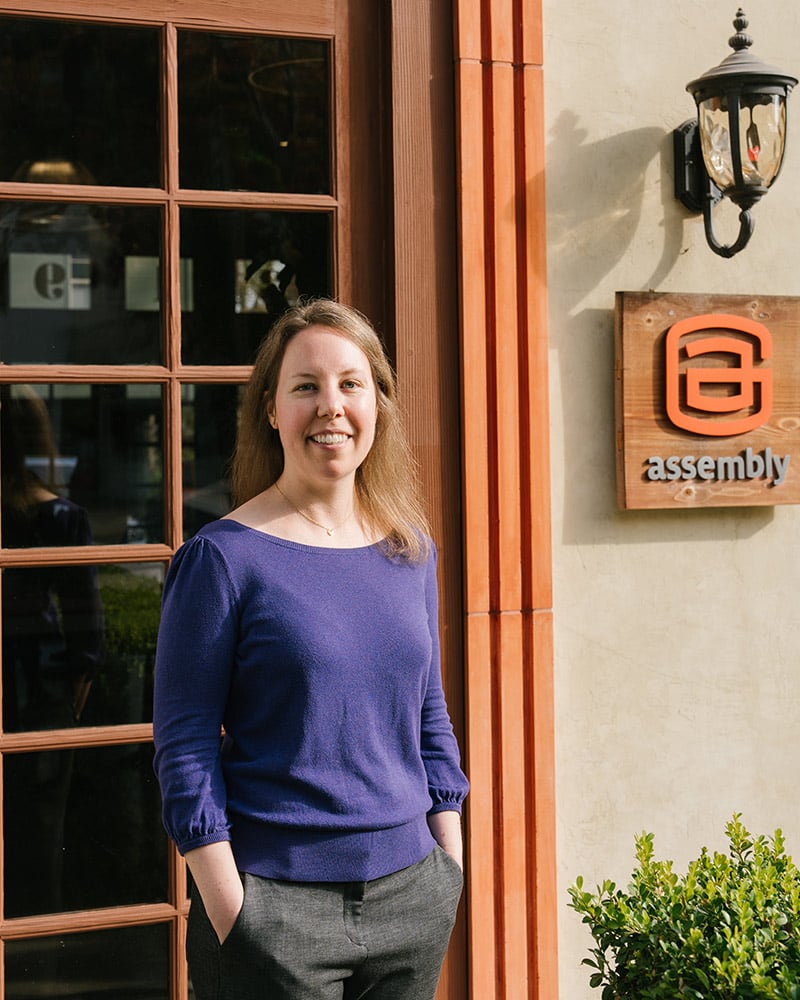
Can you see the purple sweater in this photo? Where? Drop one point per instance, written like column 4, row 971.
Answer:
column 323, row 667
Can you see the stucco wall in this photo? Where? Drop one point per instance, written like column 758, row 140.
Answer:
column 676, row 632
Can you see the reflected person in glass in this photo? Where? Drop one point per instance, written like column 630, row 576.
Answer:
column 53, row 646
column 52, row 615
column 323, row 832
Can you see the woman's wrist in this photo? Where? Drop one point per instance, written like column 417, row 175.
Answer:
column 446, row 829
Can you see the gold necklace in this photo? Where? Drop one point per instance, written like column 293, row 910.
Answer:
column 325, row 528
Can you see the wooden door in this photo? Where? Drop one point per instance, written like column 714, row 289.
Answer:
column 170, row 176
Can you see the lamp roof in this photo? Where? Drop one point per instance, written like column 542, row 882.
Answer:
column 742, row 69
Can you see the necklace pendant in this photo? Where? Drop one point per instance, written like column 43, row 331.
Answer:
column 329, row 531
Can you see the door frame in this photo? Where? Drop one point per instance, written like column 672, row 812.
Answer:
column 463, row 192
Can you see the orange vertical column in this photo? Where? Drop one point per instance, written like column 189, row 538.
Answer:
column 507, row 570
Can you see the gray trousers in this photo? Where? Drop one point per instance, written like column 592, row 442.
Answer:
column 378, row 940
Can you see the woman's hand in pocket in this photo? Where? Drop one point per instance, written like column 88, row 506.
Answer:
column 446, row 829
column 219, row 884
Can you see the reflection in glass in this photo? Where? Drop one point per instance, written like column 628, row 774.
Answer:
column 79, row 644
column 208, row 419
column 98, row 447
column 254, row 113
column 79, row 101
column 80, row 284
column 123, row 689
column 249, row 266
column 82, row 829
column 762, row 132
column 52, row 616
column 53, row 638
column 128, row 963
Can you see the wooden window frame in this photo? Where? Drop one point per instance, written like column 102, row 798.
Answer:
column 318, row 19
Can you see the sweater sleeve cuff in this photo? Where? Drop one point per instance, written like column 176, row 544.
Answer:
column 445, row 807
column 446, row 800
column 202, row 841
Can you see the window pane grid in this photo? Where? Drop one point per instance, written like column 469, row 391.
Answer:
column 190, row 387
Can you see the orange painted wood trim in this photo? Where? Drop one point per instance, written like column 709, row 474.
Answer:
column 467, row 34
column 503, row 335
column 512, row 895
column 542, row 803
column 473, row 276
column 512, row 832
column 501, row 19
column 538, row 583
column 511, row 847
column 531, row 33
column 480, row 760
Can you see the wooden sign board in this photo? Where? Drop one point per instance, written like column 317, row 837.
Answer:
column 708, row 400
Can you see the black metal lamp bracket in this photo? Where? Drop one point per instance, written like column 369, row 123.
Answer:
column 695, row 189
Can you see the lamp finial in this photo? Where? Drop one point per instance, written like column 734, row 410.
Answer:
column 741, row 40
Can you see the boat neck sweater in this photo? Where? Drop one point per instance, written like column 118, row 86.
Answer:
column 321, row 665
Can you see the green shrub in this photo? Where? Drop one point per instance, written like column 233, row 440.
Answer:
column 729, row 929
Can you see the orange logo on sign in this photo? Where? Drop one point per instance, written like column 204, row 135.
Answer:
column 686, row 385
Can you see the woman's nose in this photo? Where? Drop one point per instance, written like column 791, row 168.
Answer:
column 330, row 402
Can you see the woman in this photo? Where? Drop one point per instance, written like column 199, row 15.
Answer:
column 323, row 833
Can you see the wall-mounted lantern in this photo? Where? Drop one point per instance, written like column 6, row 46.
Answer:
column 734, row 148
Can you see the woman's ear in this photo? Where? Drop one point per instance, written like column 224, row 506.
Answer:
column 273, row 420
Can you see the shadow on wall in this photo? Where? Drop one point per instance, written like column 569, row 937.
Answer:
column 595, row 192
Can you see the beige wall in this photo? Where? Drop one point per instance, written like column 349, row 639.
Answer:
column 676, row 632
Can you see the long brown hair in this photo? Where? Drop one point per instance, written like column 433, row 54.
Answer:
column 386, row 481
column 25, row 432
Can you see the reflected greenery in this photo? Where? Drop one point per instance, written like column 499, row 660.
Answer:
column 123, row 690
column 82, row 828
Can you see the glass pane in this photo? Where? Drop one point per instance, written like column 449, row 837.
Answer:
column 79, row 644
column 131, row 963
column 82, row 830
column 254, row 113
column 81, row 464
column 53, row 639
column 209, row 416
column 247, row 266
column 123, row 690
column 762, row 135
column 79, row 103
column 79, row 284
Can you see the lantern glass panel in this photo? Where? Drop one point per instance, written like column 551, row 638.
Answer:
column 762, row 133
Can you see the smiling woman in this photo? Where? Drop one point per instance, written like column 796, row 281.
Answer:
column 351, row 371
column 306, row 624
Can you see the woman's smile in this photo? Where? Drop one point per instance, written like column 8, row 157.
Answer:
column 330, row 438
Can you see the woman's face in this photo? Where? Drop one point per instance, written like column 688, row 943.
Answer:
column 325, row 406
